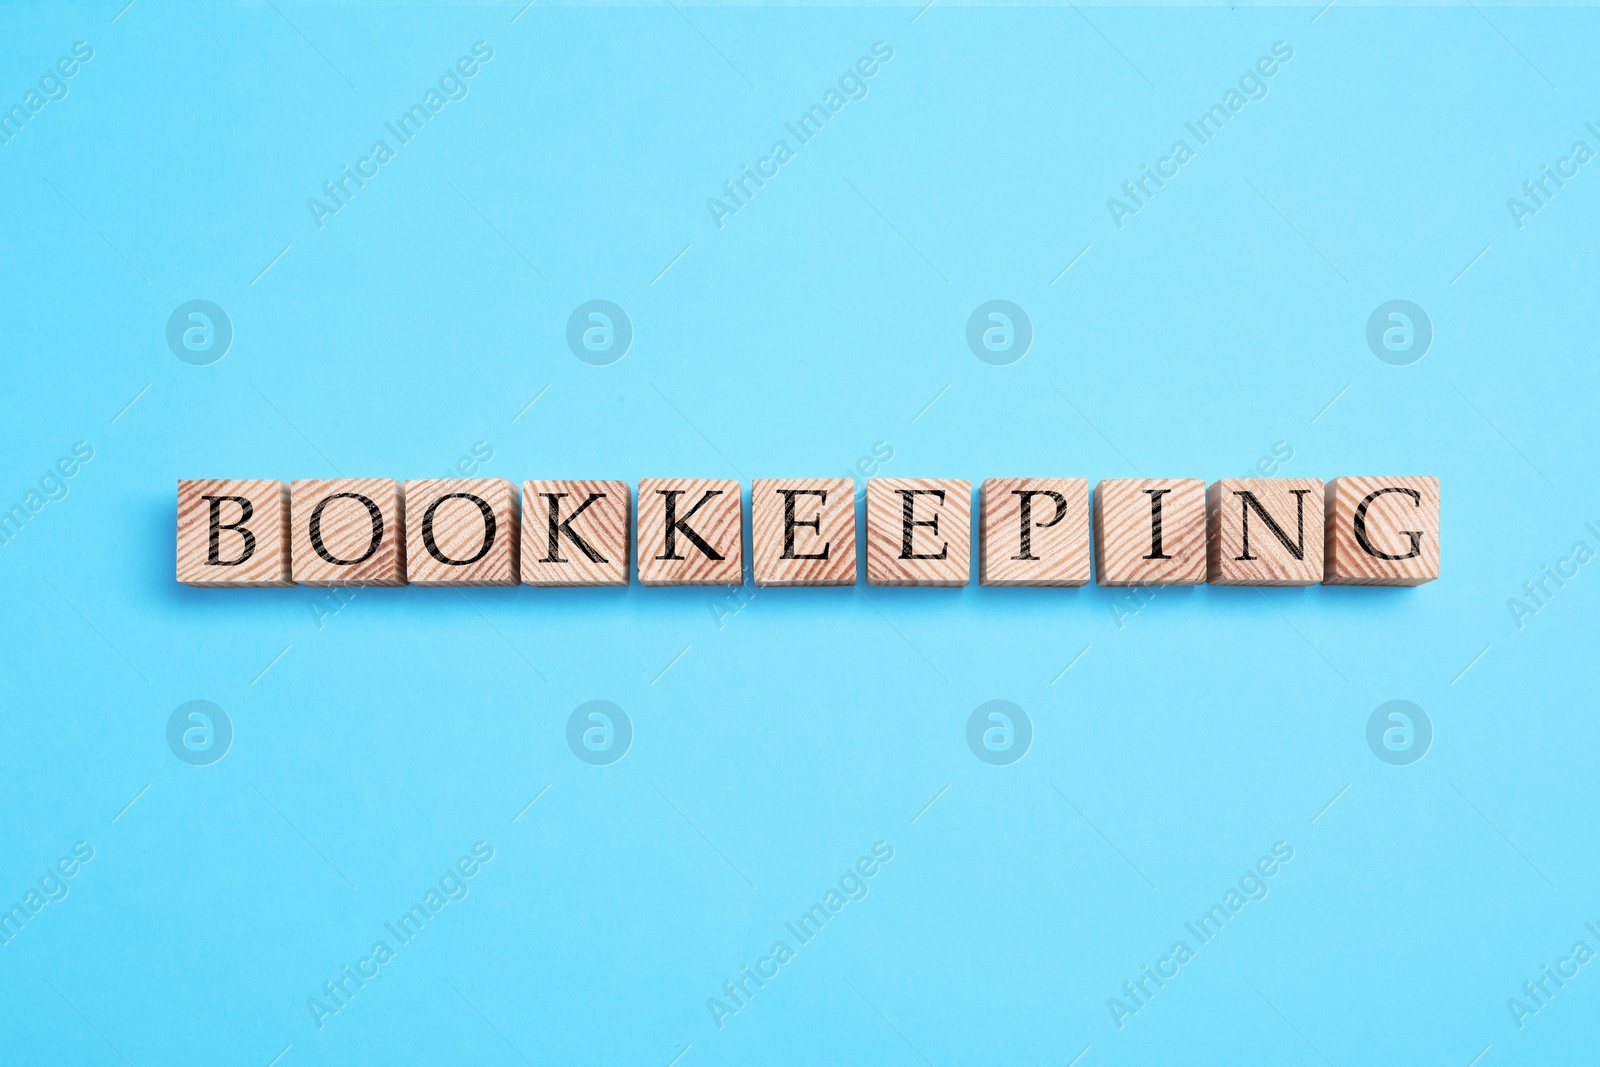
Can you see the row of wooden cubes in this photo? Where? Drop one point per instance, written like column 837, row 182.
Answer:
column 1033, row 531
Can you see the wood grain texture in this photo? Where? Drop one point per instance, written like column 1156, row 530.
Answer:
column 894, row 543
column 823, row 524
column 1398, row 517
column 1034, row 531
column 252, row 533
column 581, row 537
column 1238, row 528
column 1125, row 531
column 704, row 510
column 470, row 521
column 361, row 521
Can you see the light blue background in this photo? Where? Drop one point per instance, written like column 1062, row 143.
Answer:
column 375, row 746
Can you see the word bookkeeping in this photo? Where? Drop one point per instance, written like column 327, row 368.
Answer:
column 690, row 531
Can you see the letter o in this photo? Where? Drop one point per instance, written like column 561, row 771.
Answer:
column 316, row 530
column 488, row 529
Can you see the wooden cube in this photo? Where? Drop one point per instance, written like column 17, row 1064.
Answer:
column 691, row 532
column 233, row 532
column 1265, row 531
column 1034, row 531
column 803, row 531
column 919, row 531
column 1382, row 531
column 461, row 531
column 575, row 532
column 347, row 531
column 1150, row 531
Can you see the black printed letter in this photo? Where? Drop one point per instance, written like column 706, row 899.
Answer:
column 676, row 525
column 1361, row 525
column 214, row 558
column 1027, row 496
column 1248, row 501
column 790, row 522
column 559, row 526
column 488, row 529
column 316, row 529
column 1155, row 523
column 908, row 522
